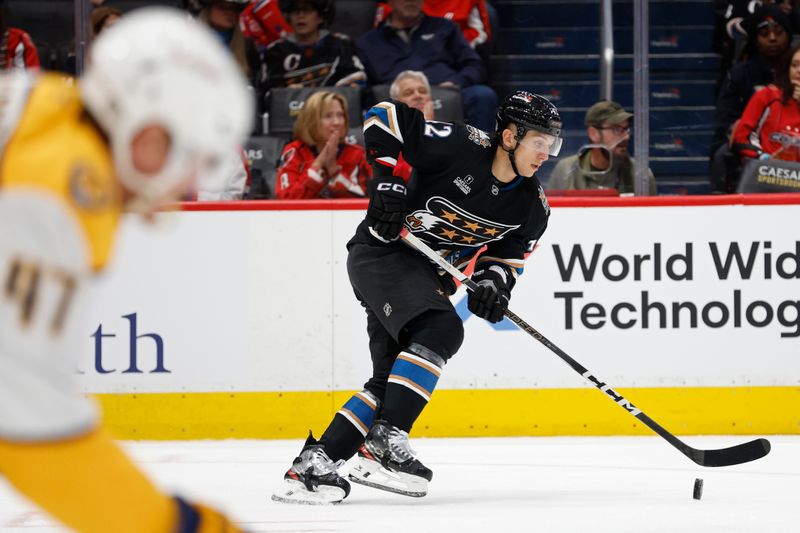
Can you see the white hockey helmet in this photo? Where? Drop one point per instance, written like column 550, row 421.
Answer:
column 159, row 67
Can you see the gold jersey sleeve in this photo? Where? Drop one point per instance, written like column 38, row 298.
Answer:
column 52, row 147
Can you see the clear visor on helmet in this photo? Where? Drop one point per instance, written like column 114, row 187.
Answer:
column 542, row 142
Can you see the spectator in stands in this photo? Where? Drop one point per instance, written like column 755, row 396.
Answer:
column 17, row 50
column 263, row 23
column 410, row 40
column 223, row 18
column 194, row 7
column 101, row 19
column 771, row 35
column 472, row 16
column 606, row 163
column 412, row 88
column 311, row 56
column 319, row 163
column 735, row 12
column 228, row 182
column 772, row 110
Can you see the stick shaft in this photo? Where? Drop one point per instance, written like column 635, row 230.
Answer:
column 742, row 453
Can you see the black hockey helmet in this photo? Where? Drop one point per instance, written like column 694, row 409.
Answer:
column 530, row 112
column 325, row 8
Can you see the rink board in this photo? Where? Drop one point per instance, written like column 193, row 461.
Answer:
column 239, row 321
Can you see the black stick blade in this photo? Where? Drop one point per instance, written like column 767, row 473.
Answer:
column 735, row 455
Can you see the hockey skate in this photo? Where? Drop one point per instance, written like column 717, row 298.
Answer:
column 312, row 479
column 386, row 461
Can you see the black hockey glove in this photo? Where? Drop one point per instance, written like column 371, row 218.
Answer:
column 387, row 207
column 448, row 283
column 490, row 299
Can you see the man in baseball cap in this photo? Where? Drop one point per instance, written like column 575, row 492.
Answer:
column 604, row 163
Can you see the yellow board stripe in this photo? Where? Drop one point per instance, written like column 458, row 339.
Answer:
column 460, row 413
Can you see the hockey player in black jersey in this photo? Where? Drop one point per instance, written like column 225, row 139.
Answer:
column 470, row 190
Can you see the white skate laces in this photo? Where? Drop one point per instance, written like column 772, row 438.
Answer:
column 387, row 462
column 313, row 479
column 399, row 446
column 314, row 457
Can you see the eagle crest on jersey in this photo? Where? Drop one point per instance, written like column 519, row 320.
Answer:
column 445, row 223
column 384, row 116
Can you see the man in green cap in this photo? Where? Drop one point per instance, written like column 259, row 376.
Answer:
column 604, row 163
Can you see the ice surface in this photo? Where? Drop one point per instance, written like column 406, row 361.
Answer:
column 498, row 485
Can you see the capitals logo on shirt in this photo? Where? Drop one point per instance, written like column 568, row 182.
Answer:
column 442, row 222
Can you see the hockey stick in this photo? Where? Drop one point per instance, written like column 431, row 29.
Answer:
column 742, row 453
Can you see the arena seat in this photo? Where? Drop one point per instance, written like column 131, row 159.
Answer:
column 284, row 104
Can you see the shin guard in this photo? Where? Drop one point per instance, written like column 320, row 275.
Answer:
column 412, row 381
column 348, row 428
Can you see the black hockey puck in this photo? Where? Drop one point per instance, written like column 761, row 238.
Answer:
column 698, row 489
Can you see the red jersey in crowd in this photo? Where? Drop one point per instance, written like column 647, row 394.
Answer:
column 296, row 179
column 470, row 15
column 262, row 22
column 764, row 120
column 19, row 50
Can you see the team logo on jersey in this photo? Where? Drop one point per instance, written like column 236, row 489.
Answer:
column 89, row 190
column 286, row 157
column 387, row 309
column 464, row 183
column 442, row 222
column 495, row 189
column 544, row 201
column 479, row 137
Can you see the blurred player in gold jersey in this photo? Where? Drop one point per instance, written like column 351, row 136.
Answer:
column 160, row 104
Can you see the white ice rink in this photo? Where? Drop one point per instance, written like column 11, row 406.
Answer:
column 498, row 485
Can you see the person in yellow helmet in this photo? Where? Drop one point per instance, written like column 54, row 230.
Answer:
column 159, row 106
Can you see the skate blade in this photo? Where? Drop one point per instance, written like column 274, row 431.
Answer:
column 296, row 493
column 372, row 474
